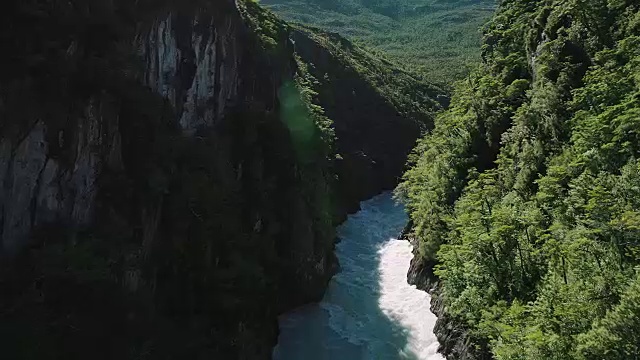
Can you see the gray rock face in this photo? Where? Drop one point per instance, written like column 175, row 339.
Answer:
column 24, row 164
column 193, row 62
column 203, row 65
column 372, row 136
column 37, row 189
column 454, row 338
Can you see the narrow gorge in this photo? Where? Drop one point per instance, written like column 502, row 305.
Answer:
column 369, row 310
column 320, row 179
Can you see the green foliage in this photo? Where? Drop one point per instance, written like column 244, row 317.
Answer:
column 311, row 131
column 264, row 25
column 437, row 38
column 615, row 336
column 525, row 194
column 410, row 95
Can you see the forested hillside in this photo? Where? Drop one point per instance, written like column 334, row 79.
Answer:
column 378, row 111
column 526, row 196
column 438, row 38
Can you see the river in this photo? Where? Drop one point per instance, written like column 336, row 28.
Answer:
column 369, row 310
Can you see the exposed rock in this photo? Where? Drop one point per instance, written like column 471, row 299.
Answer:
column 454, row 338
column 102, row 169
column 455, row 341
column 37, row 189
column 194, row 61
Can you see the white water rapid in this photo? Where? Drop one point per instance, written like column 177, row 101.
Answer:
column 369, row 311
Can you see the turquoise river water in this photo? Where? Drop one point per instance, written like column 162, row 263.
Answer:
column 369, row 311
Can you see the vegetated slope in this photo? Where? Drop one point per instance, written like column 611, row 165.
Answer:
column 169, row 177
column 375, row 109
column 378, row 111
column 438, row 38
column 525, row 196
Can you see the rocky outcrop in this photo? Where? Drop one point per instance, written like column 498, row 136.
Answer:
column 39, row 187
column 194, row 62
column 455, row 341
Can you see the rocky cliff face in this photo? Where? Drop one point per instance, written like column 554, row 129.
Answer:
column 194, row 62
column 167, row 178
column 195, row 218
column 373, row 138
column 453, row 336
column 40, row 187
column 378, row 110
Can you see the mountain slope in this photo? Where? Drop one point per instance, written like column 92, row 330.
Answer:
column 377, row 111
column 437, row 38
column 169, row 176
column 524, row 198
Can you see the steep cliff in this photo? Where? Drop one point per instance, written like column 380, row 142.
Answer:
column 169, row 176
column 146, row 227
column 377, row 110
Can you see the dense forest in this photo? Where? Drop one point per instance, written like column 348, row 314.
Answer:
column 525, row 197
column 438, row 39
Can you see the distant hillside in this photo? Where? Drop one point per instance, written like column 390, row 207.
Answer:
column 439, row 38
